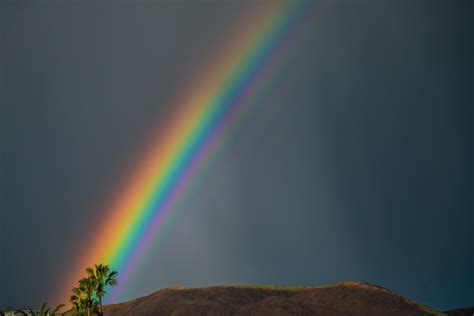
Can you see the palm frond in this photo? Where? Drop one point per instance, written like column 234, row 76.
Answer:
column 70, row 311
column 112, row 282
column 113, row 274
column 43, row 308
column 90, row 272
column 58, row 308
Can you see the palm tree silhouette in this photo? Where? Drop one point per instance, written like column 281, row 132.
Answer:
column 44, row 311
column 78, row 299
column 102, row 277
column 83, row 297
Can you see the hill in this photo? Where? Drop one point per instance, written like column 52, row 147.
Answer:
column 461, row 312
column 347, row 298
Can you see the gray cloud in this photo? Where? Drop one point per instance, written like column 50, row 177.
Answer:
column 362, row 172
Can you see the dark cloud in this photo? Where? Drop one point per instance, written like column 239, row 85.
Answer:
column 357, row 166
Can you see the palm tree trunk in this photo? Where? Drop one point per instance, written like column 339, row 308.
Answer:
column 100, row 305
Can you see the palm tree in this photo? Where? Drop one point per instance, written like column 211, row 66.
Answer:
column 87, row 286
column 57, row 308
column 102, row 277
column 77, row 300
column 44, row 310
column 83, row 297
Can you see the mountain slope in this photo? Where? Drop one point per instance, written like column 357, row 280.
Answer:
column 468, row 311
column 348, row 298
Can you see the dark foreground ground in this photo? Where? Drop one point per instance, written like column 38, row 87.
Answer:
column 348, row 298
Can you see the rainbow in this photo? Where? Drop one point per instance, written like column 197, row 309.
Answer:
column 198, row 125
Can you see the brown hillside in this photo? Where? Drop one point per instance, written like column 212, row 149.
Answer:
column 348, row 298
column 469, row 311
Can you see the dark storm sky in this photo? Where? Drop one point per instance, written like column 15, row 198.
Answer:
column 363, row 171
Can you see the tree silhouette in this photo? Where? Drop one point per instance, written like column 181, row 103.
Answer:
column 78, row 300
column 44, row 310
column 102, row 277
column 87, row 297
column 83, row 297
